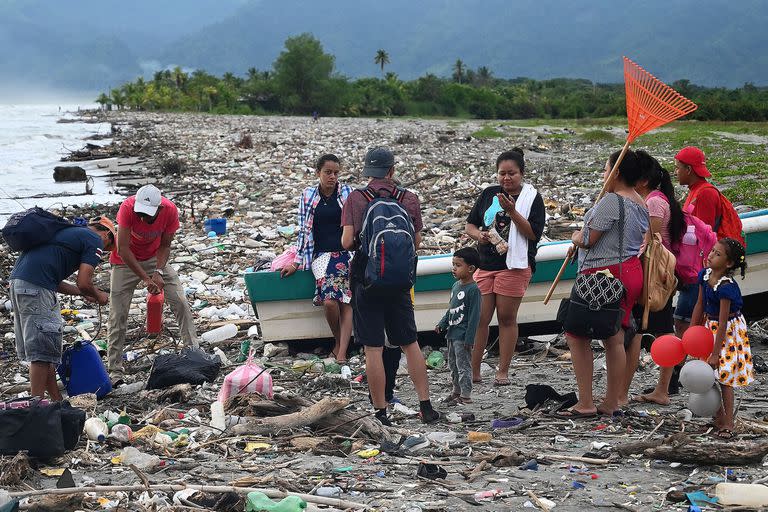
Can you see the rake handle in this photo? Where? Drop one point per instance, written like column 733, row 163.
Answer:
column 572, row 250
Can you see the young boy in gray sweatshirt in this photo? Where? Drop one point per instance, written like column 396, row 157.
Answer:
column 460, row 323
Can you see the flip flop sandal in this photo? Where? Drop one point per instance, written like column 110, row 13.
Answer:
column 501, row 382
column 571, row 414
column 724, row 434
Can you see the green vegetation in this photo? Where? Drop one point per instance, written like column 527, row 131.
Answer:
column 487, row 132
column 598, row 136
column 302, row 80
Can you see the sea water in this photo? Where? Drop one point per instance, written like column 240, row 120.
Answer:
column 32, row 143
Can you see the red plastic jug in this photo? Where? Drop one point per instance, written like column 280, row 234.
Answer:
column 155, row 312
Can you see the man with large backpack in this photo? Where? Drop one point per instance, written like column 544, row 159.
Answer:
column 39, row 273
column 382, row 223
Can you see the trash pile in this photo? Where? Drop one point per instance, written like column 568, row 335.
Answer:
column 243, row 425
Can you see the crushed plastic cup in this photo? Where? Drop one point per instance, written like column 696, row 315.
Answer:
column 130, row 455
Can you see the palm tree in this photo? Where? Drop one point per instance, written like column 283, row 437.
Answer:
column 105, row 101
column 458, row 71
column 382, row 58
column 484, row 75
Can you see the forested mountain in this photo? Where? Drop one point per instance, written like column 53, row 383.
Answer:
column 91, row 44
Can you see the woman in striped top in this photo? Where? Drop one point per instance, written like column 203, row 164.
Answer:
column 600, row 248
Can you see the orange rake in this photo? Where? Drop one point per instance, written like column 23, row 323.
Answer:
column 650, row 103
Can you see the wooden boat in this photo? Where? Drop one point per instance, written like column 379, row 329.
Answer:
column 285, row 311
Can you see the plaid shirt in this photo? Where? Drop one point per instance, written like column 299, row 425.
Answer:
column 306, row 244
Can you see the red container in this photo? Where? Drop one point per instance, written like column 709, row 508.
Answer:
column 155, row 312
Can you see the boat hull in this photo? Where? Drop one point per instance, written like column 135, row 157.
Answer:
column 285, row 311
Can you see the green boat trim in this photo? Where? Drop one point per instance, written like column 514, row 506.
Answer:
column 269, row 286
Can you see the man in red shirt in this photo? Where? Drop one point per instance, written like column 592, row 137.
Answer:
column 147, row 223
column 692, row 173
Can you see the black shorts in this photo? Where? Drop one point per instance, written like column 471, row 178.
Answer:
column 659, row 322
column 374, row 314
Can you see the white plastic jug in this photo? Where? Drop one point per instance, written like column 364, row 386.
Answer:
column 750, row 495
column 96, row 429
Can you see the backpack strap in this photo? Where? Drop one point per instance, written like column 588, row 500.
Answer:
column 398, row 194
column 368, row 193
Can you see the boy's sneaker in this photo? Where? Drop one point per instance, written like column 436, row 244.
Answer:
column 415, row 443
column 381, row 415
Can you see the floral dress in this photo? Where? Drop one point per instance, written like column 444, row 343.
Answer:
column 735, row 361
column 331, row 271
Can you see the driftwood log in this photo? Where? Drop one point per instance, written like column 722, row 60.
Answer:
column 713, row 454
column 341, row 422
column 681, row 448
column 307, row 416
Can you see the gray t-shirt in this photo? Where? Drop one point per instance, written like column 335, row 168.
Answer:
column 604, row 216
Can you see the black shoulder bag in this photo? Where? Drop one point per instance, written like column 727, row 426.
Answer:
column 594, row 309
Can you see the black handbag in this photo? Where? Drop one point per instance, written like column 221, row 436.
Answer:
column 594, row 309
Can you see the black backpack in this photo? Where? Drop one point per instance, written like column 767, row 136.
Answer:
column 31, row 228
column 387, row 243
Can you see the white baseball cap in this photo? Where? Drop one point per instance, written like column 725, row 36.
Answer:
column 147, row 200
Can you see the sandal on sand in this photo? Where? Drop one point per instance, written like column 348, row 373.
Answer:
column 451, row 398
column 572, row 414
column 501, row 382
column 724, row 433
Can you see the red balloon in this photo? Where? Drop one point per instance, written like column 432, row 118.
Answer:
column 698, row 341
column 667, row 350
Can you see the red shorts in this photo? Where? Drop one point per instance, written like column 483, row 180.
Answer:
column 509, row 283
column 632, row 279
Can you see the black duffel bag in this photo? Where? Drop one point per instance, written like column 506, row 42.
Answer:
column 42, row 429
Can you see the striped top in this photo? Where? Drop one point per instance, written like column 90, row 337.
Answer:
column 605, row 217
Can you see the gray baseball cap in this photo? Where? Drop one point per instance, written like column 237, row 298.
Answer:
column 378, row 162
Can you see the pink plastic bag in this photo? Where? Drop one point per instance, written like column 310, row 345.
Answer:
column 248, row 378
column 284, row 259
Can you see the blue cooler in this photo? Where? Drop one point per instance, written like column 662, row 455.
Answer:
column 219, row 226
column 82, row 370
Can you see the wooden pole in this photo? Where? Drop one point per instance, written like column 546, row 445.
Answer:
column 573, row 249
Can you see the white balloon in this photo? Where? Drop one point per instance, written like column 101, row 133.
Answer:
column 697, row 376
column 705, row 404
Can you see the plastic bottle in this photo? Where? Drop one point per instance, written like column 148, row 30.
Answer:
column 218, row 420
column 222, row 356
column 245, row 348
column 329, row 491
column 220, row 333
column 689, row 238
column 479, row 437
column 435, row 359
column 748, row 495
column 96, row 429
column 258, row 502
column 155, row 312
column 122, row 433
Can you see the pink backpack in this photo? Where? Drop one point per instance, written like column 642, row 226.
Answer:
column 692, row 258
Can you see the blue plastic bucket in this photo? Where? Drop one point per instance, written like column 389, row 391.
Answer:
column 219, row 226
column 82, row 370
